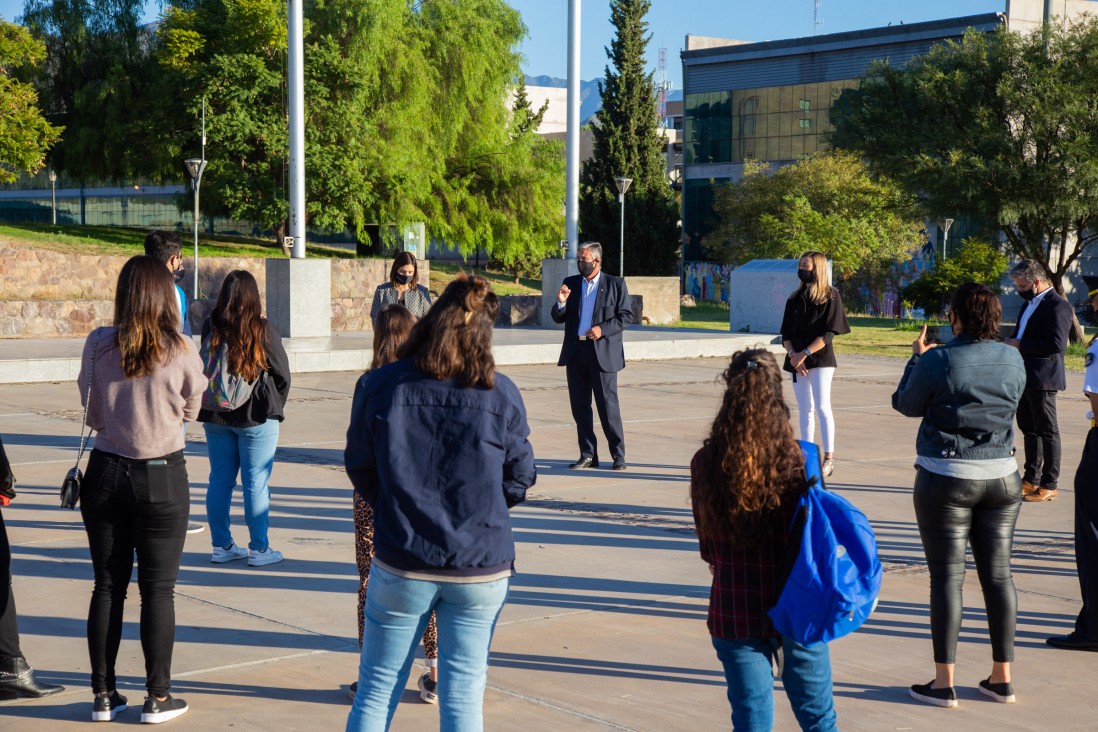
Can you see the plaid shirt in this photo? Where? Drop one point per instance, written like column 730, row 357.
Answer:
column 745, row 580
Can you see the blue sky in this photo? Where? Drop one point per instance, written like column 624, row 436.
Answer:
column 671, row 20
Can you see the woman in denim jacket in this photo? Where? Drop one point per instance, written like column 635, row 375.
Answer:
column 967, row 487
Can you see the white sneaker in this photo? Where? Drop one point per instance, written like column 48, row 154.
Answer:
column 220, row 556
column 263, row 558
column 828, row 467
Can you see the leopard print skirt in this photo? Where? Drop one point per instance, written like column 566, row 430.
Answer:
column 364, row 556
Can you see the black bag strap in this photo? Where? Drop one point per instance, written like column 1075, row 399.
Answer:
column 87, row 399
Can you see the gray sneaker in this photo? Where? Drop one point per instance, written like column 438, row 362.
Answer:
column 428, row 688
column 228, row 554
column 263, row 558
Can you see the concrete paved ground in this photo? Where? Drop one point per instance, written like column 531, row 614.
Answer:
column 35, row 360
column 605, row 625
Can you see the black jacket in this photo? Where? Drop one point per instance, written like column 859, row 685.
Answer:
column 269, row 398
column 613, row 312
column 1044, row 342
column 804, row 321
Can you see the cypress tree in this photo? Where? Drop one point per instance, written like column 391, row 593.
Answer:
column 627, row 143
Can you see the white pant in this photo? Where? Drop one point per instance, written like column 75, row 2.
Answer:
column 813, row 394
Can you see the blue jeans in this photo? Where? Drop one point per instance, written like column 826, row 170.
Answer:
column 397, row 610
column 806, row 676
column 250, row 452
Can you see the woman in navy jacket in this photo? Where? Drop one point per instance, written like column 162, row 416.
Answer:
column 438, row 446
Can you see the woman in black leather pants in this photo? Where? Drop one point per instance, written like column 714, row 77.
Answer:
column 967, row 489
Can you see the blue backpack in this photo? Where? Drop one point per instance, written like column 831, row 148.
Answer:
column 833, row 581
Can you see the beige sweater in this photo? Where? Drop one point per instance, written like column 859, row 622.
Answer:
column 140, row 418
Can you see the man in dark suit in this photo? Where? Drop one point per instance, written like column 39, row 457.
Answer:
column 595, row 308
column 1041, row 336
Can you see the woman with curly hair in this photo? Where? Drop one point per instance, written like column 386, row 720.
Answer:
column 391, row 329
column 745, row 482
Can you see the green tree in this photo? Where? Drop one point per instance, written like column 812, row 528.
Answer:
column 526, row 189
column 628, row 143
column 95, row 82
column 827, row 202
column 406, row 117
column 995, row 126
column 976, row 261
column 24, row 135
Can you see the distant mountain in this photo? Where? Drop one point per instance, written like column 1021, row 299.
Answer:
column 590, row 101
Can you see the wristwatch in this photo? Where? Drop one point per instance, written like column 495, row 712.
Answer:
column 807, row 351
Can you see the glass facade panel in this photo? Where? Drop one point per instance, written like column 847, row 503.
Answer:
column 733, row 126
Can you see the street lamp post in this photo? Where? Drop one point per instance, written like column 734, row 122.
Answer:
column 946, row 223
column 623, row 186
column 195, row 167
column 53, row 194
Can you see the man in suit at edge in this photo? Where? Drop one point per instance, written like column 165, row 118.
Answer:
column 595, row 308
column 1041, row 336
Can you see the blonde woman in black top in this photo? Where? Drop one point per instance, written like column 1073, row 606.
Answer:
column 813, row 316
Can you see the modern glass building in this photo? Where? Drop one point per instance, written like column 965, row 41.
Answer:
column 770, row 101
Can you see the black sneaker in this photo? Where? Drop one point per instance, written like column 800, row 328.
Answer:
column 352, row 690
column 106, row 706
column 156, row 711
column 938, row 697
column 1002, row 693
column 428, row 688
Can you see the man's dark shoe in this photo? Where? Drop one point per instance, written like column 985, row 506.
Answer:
column 1072, row 642
column 585, row 462
column 17, row 679
column 619, row 463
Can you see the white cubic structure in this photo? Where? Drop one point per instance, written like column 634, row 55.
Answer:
column 757, row 292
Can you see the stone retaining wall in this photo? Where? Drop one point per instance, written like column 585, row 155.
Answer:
column 48, row 294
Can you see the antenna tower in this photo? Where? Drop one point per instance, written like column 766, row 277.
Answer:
column 664, row 87
column 816, row 22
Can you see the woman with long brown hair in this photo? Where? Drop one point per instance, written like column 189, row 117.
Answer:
column 243, row 440
column 146, row 379
column 745, row 482
column 391, row 329
column 438, row 446
column 813, row 316
column 403, row 288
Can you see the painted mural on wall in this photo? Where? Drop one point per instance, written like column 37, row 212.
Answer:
column 708, row 280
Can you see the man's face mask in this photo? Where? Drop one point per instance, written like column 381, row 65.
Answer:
column 179, row 274
column 585, row 268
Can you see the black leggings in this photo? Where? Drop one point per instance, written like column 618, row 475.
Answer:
column 134, row 506
column 9, row 627
column 953, row 512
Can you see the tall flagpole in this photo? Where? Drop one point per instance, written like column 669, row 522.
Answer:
column 572, row 146
column 297, row 128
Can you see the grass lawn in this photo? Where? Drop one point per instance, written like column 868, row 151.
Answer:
column 442, row 273
column 114, row 240
column 869, row 336
column 709, row 315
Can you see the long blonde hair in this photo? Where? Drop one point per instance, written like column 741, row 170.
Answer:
column 819, row 291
